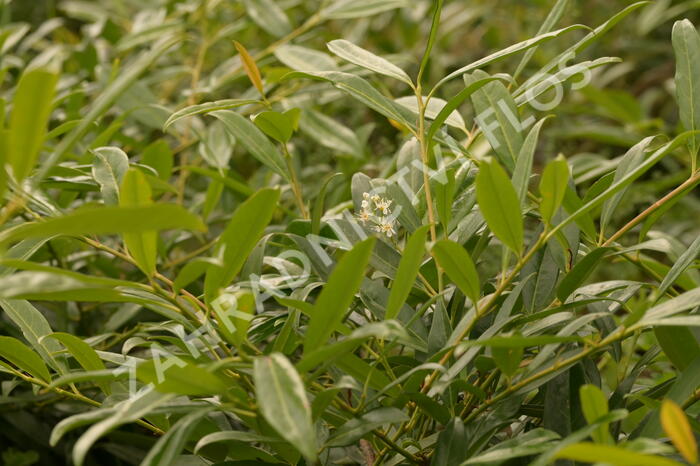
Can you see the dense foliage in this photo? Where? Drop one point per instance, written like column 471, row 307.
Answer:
column 349, row 232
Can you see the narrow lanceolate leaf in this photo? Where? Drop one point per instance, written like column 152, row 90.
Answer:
column 31, row 108
column 553, row 184
column 675, row 424
column 499, row 204
column 174, row 375
column 631, row 160
column 680, row 266
column 108, row 220
column 283, row 403
column 125, row 412
column 363, row 91
column 452, row 104
column 407, row 272
column 23, row 358
column 143, row 247
column 34, row 327
column 458, row 265
column 361, row 57
column 269, row 16
column 497, row 117
column 108, row 169
column 594, row 406
column 354, row 429
column 251, row 69
column 686, row 45
column 253, row 140
column 578, row 274
column 523, row 164
column 508, row 51
column 83, row 353
column 168, row 447
column 207, row 107
column 450, row 444
column 337, row 295
column 593, row 453
column 347, row 9
column 239, row 238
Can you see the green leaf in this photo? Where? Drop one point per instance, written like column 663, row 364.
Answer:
column 497, row 117
column 361, row 57
column 578, row 274
column 83, row 353
column 452, row 104
column 458, row 265
column 124, row 80
column 127, row 411
column 283, row 403
column 364, row 92
column 34, row 327
column 356, row 428
column 433, row 108
column 499, row 204
column 594, row 406
column 174, row 375
column 31, row 108
column 207, row 107
column 526, row 444
column 240, row 237
column 524, row 161
column 679, row 344
column 108, row 169
column 158, row 156
column 348, row 9
column 673, row 306
column 450, row 444
column 593, row 453
column 629, row 162
column 507, row 358
column 508, row 51
column 554, row 15
column 269, row 16
column 407, row 272
column 625, row 181
column 686, row 46
column 337, row 295
column 170, row 445
column 275, row 124
column 143, row 247
column 24, row 358
column 305, row 59
column 91, row 220
column 253, row 140
column 553, row 183
column 680, row 266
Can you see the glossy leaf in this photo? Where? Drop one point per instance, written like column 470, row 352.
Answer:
column 283, row 402
column 337, row 295
column 499, row 204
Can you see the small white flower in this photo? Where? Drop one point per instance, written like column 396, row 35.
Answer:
column 364, row 216
column 383, row 205
column 386, row 227
column 364, row 204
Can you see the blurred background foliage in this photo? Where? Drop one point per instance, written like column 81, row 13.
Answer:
column 93, row 39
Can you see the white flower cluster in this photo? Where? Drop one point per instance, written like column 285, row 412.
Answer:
column 375, row 211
